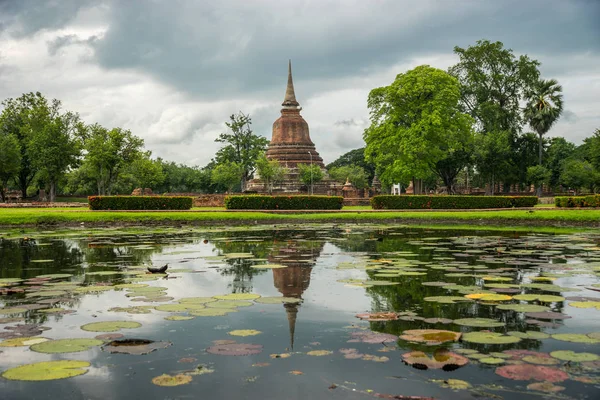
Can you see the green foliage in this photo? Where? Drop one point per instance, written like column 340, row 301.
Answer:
column 356, row 174
column 577, row 201
column 558, row 151
column 416, row 127
column 310, row 174
column 227, row 174
column 255, row 202
column 538, row 175
column 242, row 147
column 109, row 154
column 354, row 157
column 10, row 160
column 390, row 202
column 591, row 149
column 146, row 173
column 140, row 203
column 577, row 173
column 270, row 171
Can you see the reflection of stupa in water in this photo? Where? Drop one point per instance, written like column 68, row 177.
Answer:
column 295, row 279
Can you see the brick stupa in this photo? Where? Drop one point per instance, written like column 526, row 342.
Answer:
column 291, row 146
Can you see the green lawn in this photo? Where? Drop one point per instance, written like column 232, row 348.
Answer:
column 539, row 217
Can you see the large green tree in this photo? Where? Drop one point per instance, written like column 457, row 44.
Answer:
column 10, row 160
column 242, row 146
column 354, row 157
column 227, row 174
column 109, row 153
column 559, row 150
column 354, row 173
column 417, row 128
column 55, row 146
column 146, row 172
column 544, row 107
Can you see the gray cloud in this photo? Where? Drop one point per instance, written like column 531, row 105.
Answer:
column 569, row 116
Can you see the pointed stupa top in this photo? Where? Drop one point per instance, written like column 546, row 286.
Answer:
column 291, row 309
column 290, row 97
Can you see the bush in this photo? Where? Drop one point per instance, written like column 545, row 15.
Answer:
column 450, row 202
column 577, row 201
column 259, row 202
column 139, row 202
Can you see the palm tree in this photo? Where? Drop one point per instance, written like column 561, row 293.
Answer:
column 543, row 108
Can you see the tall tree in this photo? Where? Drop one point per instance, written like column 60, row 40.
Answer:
column 10, row 160
column 559, row 150
column 544, row 107
column 270, row 171
column 354, row 157
column 417, row 128
column 227, row 174
column 55, row 147
column 146, row 173
column 109, row 153
column 242, row 147
column 21, row 117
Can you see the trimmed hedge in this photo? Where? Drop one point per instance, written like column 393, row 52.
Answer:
column 260, row 202
column 577, row 201
column 140, row 202
column 391, row 202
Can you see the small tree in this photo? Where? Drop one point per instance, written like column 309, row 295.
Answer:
column 147, row 173
column 270, row 171
column 10, row 161
column 310, row 174
column 356, row 175
column 576, row 174
column 227, row 174
column 538, row 175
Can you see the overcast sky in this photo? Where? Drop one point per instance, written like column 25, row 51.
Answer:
column 172, row 71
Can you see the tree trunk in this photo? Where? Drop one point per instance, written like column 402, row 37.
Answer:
column 52, row 191
column 541, row 146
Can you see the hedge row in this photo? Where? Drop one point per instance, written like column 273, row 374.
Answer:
column 577, row 201
column 139, row 203
column 259, row 202
column 450, row 202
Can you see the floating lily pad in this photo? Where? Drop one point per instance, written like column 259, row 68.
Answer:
column 178, row 318
column 585, row 304
column 197, row 300
column 171, row 380
column 12, row 310
column 546, row 315
column 492, row 360
column 442, row 359
column 446, row 299
column 238, row 296
column 540, row 359
column 489, row 338
column 277, row 300
column 235, row 349
column 134, row 346
column 110, row 326
column 378, row 316
column 430, row 336
column 488, row 297
column 545, row 387
column 438, row 320
column 372, row 337
column 568, row 355
column 212, row 312
column 109, row 336
column 245, row 332
column 54, row 276
column 319, row 353
column 527, row 372
column 229, row 304
column 65, row 345
column 47, row 370
column 479, row 322
column 176, row 307
column 454, row 384
column 544, row 298
column 22, row 341
column 575, row 338
column 47, row 293
column 529, row 335
column 93, row 289
column 133, row 309
column 522, row 307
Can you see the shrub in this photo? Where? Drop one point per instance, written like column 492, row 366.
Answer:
column 140, row 202
column 577, row 201
column 259, row 202
column 450, row 202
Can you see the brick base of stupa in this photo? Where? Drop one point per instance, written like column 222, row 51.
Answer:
column 291, row 184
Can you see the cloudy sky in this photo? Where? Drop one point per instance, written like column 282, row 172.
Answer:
column 172, row 71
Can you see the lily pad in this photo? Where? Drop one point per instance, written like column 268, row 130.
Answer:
column 527, row 372
column 454, row 384
column 172, row 380
column 238, row 296
column 244, row 332
column 197, row 300
column 319, row 353
column 479, row 322
column 110, row 326
column 229, row 304
column 47, row 370
column 540, row 359
column 211, row 312
column 65, row 345
column 546, row 315
column 545, row 387
column 441, row 359
column 522, row 307
column 446, row 299
column 235, row 349
column 430, row 336
column 22, row 341
column 378, row 316
column 492, row 360
column 93, row 289
column 575, row 338
column 372, row 337
column 544, row 298
column 568, row 355
column 12, row 310
column 529, row 335
column 488, row 297
column 134, row 346
column 178, row 318
column 53, row 276
column 489, row 338
column 585, row 304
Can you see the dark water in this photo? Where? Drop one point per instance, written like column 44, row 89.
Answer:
column 326, row 267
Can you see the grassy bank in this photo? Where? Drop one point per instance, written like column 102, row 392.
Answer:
column 539, row 217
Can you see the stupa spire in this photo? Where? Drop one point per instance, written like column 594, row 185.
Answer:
column 290, row 97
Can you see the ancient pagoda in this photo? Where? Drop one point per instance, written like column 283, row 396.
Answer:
column 291, row 146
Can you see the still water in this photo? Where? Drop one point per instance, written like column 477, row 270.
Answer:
column 284, row 324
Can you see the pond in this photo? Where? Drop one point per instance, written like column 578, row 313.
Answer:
column 300, row 312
